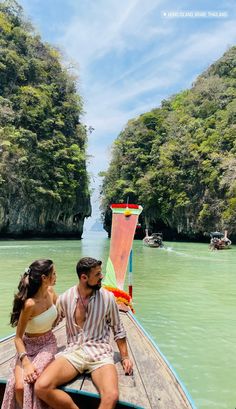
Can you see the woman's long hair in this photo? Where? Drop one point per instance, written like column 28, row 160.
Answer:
column 28, row 286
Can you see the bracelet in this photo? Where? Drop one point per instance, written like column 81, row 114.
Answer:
column 22, row 355
column 124, row 357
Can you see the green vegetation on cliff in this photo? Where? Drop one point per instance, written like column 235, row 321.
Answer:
column 179, row 160
column 43, row 177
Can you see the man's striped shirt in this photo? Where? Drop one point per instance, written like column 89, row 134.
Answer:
column 102, row 315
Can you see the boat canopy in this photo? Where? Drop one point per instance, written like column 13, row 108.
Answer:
column 217, row 234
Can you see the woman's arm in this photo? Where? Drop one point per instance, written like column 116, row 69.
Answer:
column 26, row 313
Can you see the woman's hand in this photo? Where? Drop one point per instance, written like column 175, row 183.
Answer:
column 30, row 373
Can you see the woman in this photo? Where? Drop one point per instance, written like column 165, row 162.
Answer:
column 34, row 313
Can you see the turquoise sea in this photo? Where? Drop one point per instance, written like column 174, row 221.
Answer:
column 184, row 296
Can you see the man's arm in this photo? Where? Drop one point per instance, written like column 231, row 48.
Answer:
column 125, row 360
column 120, row 336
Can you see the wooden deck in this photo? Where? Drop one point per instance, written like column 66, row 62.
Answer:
column 152, row 385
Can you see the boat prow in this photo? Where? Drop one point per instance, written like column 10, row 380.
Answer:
column 153, row 383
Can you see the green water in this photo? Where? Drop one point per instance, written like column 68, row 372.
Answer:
column 184, row 296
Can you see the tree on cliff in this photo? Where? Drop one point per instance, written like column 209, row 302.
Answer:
column 43, row 177
column 178, row 160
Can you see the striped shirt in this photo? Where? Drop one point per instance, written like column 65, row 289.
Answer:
column 102, row 316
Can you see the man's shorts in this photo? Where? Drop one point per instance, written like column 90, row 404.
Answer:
column 82, row 362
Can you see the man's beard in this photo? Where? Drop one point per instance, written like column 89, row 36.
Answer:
column 94, row 287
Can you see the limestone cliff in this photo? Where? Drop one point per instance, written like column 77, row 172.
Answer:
column 43, row 177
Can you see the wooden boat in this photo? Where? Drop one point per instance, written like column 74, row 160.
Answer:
column 154, row 240
column 154, row 384
column 219, row 241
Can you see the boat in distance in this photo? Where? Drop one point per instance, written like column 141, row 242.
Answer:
column 154, row 240
column 219, row 241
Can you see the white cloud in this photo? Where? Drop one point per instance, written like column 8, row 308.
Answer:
column 208, row 45
column 109, row 25
column 107, row 102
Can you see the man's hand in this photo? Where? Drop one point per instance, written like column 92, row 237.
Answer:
column 127, row 365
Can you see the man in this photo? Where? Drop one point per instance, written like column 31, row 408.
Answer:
column 90, row 312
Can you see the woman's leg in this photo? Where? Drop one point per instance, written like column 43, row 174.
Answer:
column 19, row 385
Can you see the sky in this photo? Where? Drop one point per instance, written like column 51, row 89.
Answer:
column 129, row 55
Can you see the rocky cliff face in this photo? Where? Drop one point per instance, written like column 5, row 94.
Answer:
column 21, row 219
column 43, row 177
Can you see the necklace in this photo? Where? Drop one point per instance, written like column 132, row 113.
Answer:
column 81, row 299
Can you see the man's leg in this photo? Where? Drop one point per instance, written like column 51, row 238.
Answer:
column 106, row 380
column 57, row 373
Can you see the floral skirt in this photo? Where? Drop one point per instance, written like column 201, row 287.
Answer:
column 41, row 351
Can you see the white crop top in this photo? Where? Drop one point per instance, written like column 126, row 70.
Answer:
column 42, row 322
